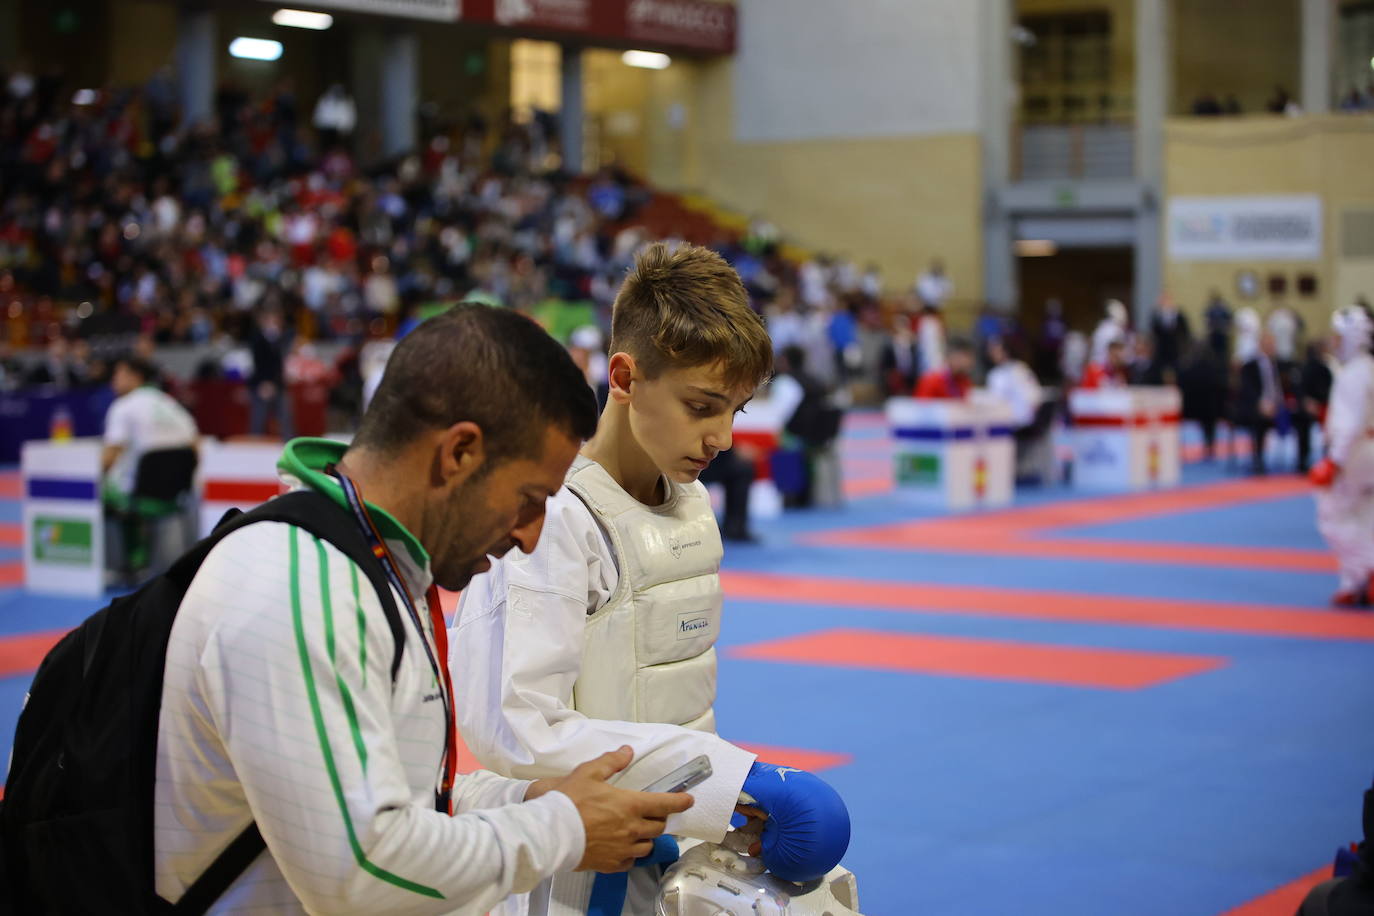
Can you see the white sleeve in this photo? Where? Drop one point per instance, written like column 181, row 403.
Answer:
column 119, row 423
column 1349, row 413
column 302, row 703
column 516, row 652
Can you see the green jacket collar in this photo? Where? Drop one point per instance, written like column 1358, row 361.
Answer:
column 306, row 459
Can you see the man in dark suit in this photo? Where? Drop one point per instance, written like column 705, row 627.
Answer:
column 1270, row 397
column 1169, row 331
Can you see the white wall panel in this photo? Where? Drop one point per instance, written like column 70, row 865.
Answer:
column 817, row 69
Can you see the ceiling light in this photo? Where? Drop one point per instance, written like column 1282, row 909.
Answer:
column 1035, row 248
column 255, row 48
column 303, row 19
column 651, row 60
column 84, row 97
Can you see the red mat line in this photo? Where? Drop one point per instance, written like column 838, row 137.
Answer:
column 11, row 487
column 21, row 654
column 814, row 761
column 11, row 534
column 1028, row 531
column 990, row 659
column 1222, row 617
column 1282, row 901
column 11, row 574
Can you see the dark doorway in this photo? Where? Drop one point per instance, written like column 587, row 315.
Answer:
column 1081, row 278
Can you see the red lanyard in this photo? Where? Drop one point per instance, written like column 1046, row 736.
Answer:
column 444, row 798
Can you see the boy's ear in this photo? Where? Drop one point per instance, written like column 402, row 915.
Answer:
column 621, row 376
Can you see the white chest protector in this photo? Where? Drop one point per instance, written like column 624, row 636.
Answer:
column 649, row 654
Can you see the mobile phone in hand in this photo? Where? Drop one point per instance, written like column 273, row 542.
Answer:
column 690, row 774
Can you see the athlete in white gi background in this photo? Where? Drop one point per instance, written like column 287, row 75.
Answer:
column 1345, row 500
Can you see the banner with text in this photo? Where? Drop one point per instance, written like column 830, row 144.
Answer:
column 1274, row 228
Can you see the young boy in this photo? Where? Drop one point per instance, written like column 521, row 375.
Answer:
column 604, row 635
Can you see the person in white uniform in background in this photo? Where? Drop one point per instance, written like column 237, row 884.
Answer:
column 1286, row 327
column 604, row 635
column 1248, row 328
column 143, row 418
column 1114, row 326
column 1012, row 381
column 1345, row 500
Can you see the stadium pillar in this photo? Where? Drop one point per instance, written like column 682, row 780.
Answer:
column 196, row 55
column 1318, row 19
column 999, row 263
column 9, row 33
column 571, row 110
column 399, row 82
column 1151, row 106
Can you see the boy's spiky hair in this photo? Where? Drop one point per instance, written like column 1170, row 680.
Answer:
column 686, row 307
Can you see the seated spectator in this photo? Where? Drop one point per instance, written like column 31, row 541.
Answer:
column 955, row 379
column 1010, row 380
column 899, row 363
column 142, row 418
column 1113, row 372
column 1270, row 398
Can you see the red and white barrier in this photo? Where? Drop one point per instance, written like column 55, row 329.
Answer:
column 1126, row 438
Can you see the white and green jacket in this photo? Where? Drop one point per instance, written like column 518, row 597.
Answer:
column 279, row 706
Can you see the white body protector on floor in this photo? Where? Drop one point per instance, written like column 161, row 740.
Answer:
column 711, row 880
column 650, row 650
column 1345, row 510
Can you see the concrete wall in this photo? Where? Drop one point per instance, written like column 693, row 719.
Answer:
column 808, row 69
column 879, row 166
column 1323, row 155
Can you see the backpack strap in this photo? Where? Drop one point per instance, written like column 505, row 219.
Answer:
column 226, row 868
column 322, row 517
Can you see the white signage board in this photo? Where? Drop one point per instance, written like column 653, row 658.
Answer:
column 1274, row 228
column 953, row 454
column 64, row 525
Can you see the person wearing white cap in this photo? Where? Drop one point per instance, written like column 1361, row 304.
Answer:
column 1114, row 326
column 1345, row 498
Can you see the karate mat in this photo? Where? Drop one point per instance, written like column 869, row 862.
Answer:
column 1079, row 705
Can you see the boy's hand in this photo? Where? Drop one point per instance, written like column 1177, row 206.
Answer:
column 620, row 824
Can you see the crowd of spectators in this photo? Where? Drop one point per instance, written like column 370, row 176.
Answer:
column 256, row 233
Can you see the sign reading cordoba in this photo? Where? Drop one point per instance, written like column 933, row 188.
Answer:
column 696, row 23
column 1274, row 228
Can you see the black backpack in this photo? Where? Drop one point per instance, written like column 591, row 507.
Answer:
column 76, row 823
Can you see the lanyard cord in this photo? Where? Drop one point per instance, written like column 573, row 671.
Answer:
column 379, row 549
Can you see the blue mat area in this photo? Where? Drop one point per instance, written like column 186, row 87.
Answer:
column 976, row 795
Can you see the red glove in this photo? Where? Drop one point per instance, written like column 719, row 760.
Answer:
column 1324, row 472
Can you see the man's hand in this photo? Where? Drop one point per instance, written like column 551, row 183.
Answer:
column 620, row 824
column 537, row 788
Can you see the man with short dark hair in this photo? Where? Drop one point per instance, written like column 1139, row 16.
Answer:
column 280, row 704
